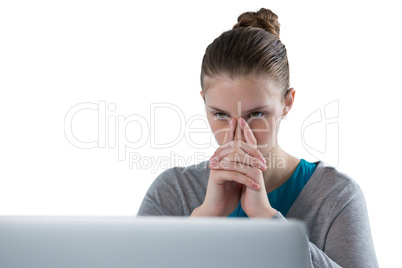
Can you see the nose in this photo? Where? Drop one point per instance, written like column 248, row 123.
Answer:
column 239, row 135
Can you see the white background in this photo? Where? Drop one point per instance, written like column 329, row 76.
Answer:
column 58, row 54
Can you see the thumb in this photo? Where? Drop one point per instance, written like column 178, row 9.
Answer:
column 248, row 133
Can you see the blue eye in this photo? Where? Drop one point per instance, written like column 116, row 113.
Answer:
column 254, row 115
column 261, row 113
column 217, row 115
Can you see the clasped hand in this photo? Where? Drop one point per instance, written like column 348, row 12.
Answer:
column 237, row 175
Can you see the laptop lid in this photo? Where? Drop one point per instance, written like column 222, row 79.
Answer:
column 83, row 242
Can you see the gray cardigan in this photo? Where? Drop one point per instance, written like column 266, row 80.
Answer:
column 331, row 205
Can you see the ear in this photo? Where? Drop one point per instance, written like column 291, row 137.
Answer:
column 202, row 95
column 289, row 100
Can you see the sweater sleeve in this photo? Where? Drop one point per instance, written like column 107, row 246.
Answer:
column 349, row 241
column 160, row 199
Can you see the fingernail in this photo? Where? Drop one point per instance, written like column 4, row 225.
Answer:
column 263, row 159
column 256, row 185
column 214, row 164
column 263, row 165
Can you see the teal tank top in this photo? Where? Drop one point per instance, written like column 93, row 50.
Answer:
column 283, row 197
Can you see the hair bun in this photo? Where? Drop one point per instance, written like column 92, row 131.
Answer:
column 264, row 19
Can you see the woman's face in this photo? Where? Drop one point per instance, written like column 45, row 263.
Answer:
column 255, row 99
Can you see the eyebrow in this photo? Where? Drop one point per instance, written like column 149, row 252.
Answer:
column 254, row 109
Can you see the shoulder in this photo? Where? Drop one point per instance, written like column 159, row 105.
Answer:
column 179, row 176
column 330, row 186
column 196, row 171
column 176, row 191
column 332, row 179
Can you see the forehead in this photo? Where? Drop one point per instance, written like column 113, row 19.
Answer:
column 250, row 91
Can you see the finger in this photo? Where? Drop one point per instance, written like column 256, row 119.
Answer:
column 225, row 176
column 240, row 159
column 248, row 133
column 242, row 148
column 249, row 172
column 228, row 138
column 229, row 135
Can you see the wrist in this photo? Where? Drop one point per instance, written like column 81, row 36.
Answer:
column 204, row 211
column 198, row 212
column 268, row 213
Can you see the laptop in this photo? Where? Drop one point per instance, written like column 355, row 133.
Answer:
column 150, row 241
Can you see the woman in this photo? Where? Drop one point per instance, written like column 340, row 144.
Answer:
column 245, row 88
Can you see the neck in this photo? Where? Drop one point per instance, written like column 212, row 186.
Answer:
column 280, row 166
